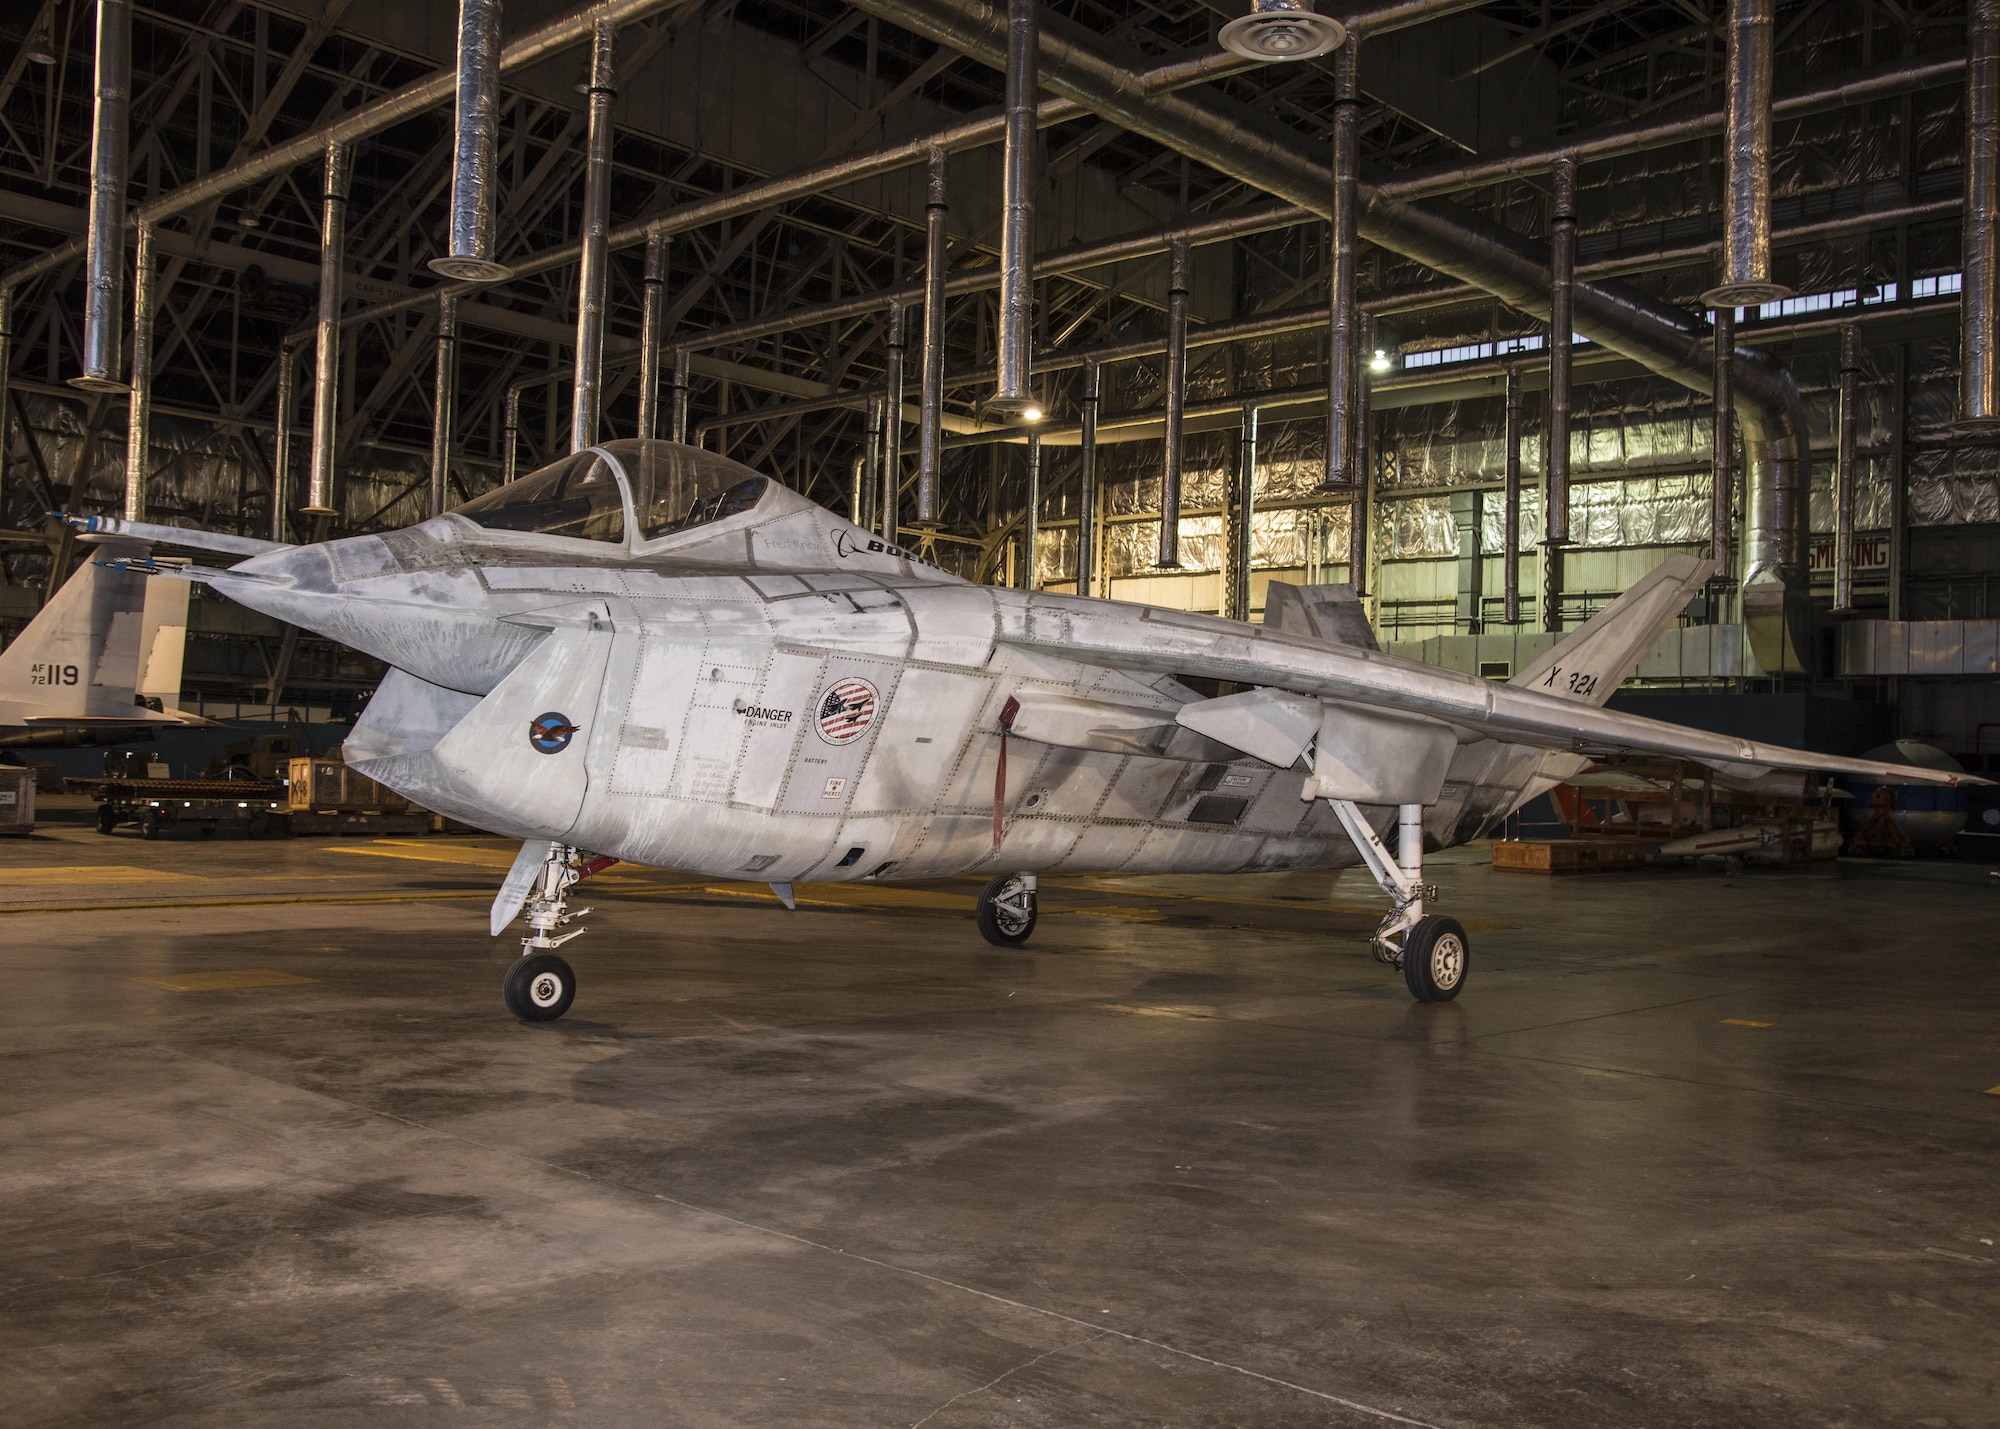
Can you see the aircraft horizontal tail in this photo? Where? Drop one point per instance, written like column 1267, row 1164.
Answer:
column 1601, row 654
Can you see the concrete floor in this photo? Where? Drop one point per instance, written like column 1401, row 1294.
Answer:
column 1688, row 1151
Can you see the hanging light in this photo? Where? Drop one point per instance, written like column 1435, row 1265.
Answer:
column 1279, row 30
column 37, row 51
column 1379, row 362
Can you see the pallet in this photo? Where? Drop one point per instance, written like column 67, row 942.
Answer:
column 308, row 823
column 1569, row 855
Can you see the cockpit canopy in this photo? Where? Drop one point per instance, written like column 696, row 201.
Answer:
column 663, row 487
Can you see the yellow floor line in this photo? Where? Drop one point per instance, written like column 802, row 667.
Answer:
column 90, row 873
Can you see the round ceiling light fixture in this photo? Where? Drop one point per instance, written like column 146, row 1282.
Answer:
column 1279, row 30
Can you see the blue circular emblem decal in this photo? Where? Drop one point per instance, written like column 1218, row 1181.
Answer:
column 551, row 733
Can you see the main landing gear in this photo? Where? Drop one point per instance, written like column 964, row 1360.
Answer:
column 1432, row 951
column 540, row 986
column 1007, row 910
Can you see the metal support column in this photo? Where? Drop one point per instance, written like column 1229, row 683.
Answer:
column 1246, row 510
column 1510, row 528
column 444, row 403
column 892, row 430
column 326, row 351
column 1361, row 468
column 677, row 399
column 1979, row 307
column 1722, row 481
column 932, row 396
column 592, row 271
column 1341, row 363
column 6, row 364
column 510, row 436
column 139, row 412
column 1843, row 477
column 1031, row 516
column 1170, row 470
column 871, row 477
column 1555, row 510
column 651, row 314
column 281, row 443
column 1086, row 499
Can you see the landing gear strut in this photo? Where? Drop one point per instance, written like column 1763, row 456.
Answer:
column 1432, row 952
column 541, row 986
column 1007, row 910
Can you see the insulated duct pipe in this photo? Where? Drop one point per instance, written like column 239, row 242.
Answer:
column 1562, row 281
column 1722, row 484
column 1979, row 365
column 326, row 351
column 1031, row 515
column 139, row 411
column 651, row 313
column 1843, row 476
column 1510, row 548
column 1746, row 217
column 1170, row 467
column 1086, row 499
column 854, row 490
column 475, row 136
column 1342, row 244
column 892, row 429
column 932, row 395
column 1017, row 216
column 1246, row 508
column 110, row 125
column 1235, row 140
column 591, row 275
column 677, row 404
column 445, row 392
column 281, row 440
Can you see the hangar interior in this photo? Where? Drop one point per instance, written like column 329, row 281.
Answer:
column 1086, row 297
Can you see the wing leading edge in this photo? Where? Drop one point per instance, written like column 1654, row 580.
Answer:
column 1175, row 642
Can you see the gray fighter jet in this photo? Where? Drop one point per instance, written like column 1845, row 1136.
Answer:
column 648, row 652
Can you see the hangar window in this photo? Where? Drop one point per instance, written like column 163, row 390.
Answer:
column 677, row 488
column 576, row 497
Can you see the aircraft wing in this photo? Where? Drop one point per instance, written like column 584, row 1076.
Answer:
column 1177, row 643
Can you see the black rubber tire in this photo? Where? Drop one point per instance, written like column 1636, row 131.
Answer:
column 1436, row 958
column 149, row 824
column 1001, row 926
column 539, row 988
column 107, row 818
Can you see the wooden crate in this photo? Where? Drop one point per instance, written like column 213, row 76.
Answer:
column 327, row 786
column 17, row 800
column 1569, row 855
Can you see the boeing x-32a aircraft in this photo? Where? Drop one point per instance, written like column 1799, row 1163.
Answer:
column 648, row 652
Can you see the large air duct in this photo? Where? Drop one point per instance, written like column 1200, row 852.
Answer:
column 652, row 313
column 1555, row 483
column 1979, row 364
column 1342, row 245
column 1017, row 218
column 110, row 125
column 139, row 411
column 1746, row 218
column 931, row 396
column 474, row 141
column 1176, row 397
column 1255, row 149
column 1086, row 499
column 326, row 349
column 443, row 402
column 594, row 270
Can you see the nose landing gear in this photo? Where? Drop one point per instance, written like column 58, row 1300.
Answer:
column 1432, row 952
column 540, row 986
column 1007, row 910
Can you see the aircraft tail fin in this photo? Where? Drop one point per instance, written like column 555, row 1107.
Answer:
column 81, row 657
column 1593, row 660
column 1331, row 613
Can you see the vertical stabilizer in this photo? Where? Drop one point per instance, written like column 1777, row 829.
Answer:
column 79, row 658
column 1594, row 659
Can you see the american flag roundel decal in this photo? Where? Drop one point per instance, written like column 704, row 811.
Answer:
column 846, row 710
